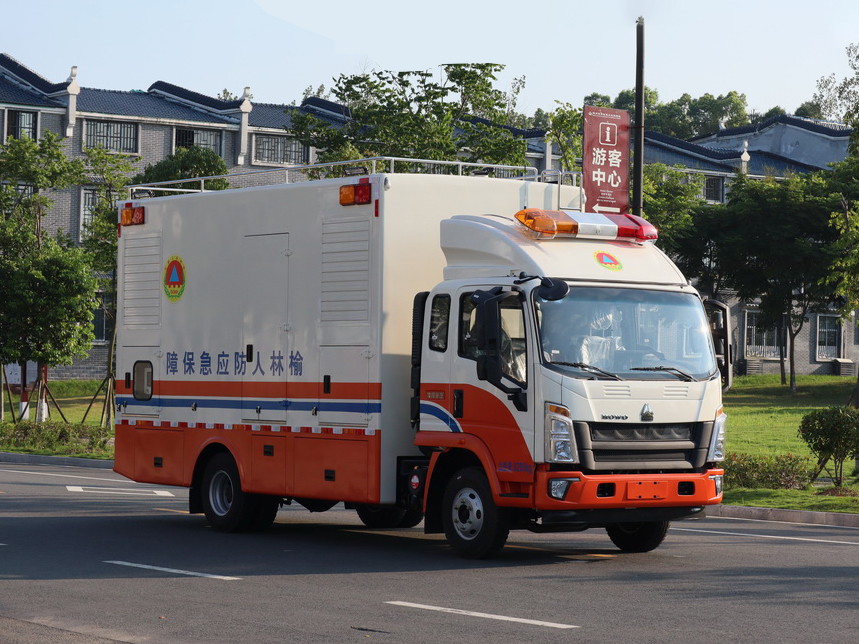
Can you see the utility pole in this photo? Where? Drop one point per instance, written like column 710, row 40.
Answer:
column 638, row 128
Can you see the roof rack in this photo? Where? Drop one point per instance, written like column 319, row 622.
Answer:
column 357, row 167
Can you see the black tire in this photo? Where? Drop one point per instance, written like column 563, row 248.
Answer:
column 267, row 507
column 474, row 526
column 227, row 507
column 638, row 537
column 411, row 518
column 380, row 516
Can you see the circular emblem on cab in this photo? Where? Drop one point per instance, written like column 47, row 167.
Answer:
column 607, row 260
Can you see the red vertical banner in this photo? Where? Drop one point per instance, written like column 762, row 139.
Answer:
column 605, row 160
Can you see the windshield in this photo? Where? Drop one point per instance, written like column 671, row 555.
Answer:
column 597, row 332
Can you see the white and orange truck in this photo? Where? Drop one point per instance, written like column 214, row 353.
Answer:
column 475, row 352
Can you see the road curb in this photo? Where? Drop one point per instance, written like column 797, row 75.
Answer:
column 71, row 461
column 842, row 519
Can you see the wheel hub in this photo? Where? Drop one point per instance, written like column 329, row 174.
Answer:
column 467, row 513
column 221, row 493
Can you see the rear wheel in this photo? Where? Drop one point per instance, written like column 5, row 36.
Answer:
column 638, row 537
column 227, row 507
column 474, row 526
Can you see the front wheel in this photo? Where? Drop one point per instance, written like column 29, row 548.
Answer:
column 638, row 537
column 475, row 527
column 380, row 516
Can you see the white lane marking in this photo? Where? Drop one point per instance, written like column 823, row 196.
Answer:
column 767, row 536
column 503, row 618
column 188, row 573
column 107, row 490
column 68, row 476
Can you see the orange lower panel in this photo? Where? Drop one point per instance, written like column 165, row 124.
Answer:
column 629, row 490
column 338, row 467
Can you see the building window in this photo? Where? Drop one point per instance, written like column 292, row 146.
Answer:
column 828, row 327
column 89, row 200
column 102, row 321
column 761, row 341
column 209, row 139
column 112, row 135
column 21, row 125
column 714, row 189
column 279, row 149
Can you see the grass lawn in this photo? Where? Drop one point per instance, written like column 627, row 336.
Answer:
column 73, row 396
column 764, row 416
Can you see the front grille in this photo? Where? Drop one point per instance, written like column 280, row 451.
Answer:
column 620, row 456
column 612, row 432
column 642, row 447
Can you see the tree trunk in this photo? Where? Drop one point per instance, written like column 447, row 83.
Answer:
column 781, row 337
column 792, row 338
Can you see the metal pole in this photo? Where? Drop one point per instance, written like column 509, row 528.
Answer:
column 638, row 161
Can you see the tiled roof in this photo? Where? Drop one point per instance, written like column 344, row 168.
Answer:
column 827, row 128
column 141, row 104
column 316, row 104
column 29, row 76
column 762, row 162
column 717, row 154
column 15, row 94
column 270, row 115
column 194, row 97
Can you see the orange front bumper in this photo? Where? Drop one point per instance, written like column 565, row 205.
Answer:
column 614, row 491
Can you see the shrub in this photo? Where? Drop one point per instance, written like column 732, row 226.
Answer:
column 773, row 471
column 52, row 436
column 832, row 434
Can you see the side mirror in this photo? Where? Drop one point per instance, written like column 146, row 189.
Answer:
column 719, row 316
column 489, row 366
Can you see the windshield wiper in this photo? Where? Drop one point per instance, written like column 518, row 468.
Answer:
column 587, row 367
column 677, row 372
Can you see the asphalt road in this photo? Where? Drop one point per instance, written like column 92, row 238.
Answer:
column 88, row 557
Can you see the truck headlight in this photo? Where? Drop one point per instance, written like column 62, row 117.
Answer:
column 717, row 443
column 560, row 442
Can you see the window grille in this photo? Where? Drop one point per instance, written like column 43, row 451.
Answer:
column 279, row 149
column 21, row 124
column 827, row 337
column 761, row 341
column 112, row 135
column 209, row 139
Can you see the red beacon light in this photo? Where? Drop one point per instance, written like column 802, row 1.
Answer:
column 548, row 224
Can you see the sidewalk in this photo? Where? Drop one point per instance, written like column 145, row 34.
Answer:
column 731, row 511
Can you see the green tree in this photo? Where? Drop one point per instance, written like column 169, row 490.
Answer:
column 411, row 114
column 46, row 283
column 839, row 98
column 810, row 110
column 779, row 249
column 596, row 99
column 109, row 172
column 186, row 163
column 565, row 134
column 672, row 198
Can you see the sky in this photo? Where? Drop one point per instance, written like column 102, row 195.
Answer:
column 772, row 51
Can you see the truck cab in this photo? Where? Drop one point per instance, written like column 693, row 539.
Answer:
column 566, row 377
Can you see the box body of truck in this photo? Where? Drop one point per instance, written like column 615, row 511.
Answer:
column 273, row 328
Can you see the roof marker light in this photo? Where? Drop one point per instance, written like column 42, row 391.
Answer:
column 548, row 224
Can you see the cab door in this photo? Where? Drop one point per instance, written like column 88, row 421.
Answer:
column 500, row 411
